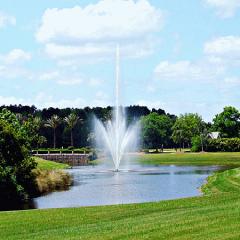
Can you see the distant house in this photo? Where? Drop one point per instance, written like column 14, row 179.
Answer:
column 214, row 135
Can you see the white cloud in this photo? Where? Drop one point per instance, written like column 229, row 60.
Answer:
column 186, row 71
column 15, row 56
column 224, row 8
column 68, row 79
column 95, row 29
column 203, row 85
column 99, row 51
column 43, row 100
column 224, row 50
column 220, row 55
column 11, row 64
column 6, row 19
column 10, row 100
column 108, row 19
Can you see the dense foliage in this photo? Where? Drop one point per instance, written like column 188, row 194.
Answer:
column 77, row 124
column 187, row 127
column 57, row 128
column 224, row 145
column 16, row 176
column 156, row 130
column 228, row 122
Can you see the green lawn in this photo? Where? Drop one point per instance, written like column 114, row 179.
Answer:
column 215, row 216
column 223, row 182
column 49, row 165
column 224, row 159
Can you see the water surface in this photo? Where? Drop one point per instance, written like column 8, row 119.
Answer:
column 96, row 185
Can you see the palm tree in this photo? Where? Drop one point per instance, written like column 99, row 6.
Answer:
column 71, row 122
column 37, row 121
column 53, row 123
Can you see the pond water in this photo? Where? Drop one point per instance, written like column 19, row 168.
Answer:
column 94, row 185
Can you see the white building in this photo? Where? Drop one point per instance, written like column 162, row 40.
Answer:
column 214, row 135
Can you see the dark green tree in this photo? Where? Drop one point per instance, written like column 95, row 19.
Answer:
column 186, row 127
column 227, row 122
column 156, row 130
column 32, row 126
column 16, row 177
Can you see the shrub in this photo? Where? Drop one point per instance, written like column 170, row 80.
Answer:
column 196, row 144
column 48, row 181
column 224, row 145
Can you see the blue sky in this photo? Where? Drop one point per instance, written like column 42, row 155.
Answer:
column 182, row 56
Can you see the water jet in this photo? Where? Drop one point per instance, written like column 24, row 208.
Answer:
column 115, row 134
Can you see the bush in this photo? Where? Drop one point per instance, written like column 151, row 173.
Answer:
column 16, row 177
column 48, row 181
column 224, row 145
column 196, row 144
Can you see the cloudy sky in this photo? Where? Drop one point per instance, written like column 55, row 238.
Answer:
column 179, row 55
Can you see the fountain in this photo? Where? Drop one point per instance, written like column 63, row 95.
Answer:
column 115, row 135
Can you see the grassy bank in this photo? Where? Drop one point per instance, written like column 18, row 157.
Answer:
column 223, row 182
column 216, row 217
column 49, row 165
column 224, row 159
column 51, row 177
column 213, row 216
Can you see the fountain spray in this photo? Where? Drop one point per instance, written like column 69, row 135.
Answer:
column 115, row 135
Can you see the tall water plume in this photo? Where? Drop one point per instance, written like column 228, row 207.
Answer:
column 115, row 135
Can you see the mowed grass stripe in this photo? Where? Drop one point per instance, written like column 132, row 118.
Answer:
column 227, row 181
column 193, row 217
column 224, row 159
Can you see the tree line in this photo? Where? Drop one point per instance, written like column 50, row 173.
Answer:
column 189, row 130
column 55, row 128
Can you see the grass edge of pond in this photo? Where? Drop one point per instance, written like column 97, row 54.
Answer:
column 211, row 216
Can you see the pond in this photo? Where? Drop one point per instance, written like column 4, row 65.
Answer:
column 94, row 185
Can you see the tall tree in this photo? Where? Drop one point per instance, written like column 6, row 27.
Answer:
column 156, row 130
column 53, row 123
column 71, row 120
column 227, row 122
column 186, row 127
column 32, row 125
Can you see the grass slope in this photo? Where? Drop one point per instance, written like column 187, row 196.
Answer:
column 223, row 182
column 194, row 218
column 214, row 217
column 225, row 159
column 49, row 165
